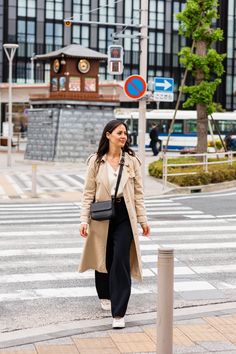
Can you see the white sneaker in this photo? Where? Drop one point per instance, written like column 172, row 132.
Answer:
column 105, row 304
column 118, row 322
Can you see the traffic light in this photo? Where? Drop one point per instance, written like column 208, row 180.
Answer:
column 115, row 59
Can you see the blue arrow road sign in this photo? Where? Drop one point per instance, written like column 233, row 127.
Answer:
column 163, row 84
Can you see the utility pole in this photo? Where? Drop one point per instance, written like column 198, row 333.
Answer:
column 143, row 73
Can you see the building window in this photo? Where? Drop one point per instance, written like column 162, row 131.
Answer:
column 132, row 10
column 102, row 73
column 26, row 8
column 54, row 9
column 105, row 38
column 107, row 11
column 81, row 9
column 153, row 13
column 80, row 35
column 53, row 36
column 156, row 48
column 25, row 38
column 160, row 14
column 176, row 9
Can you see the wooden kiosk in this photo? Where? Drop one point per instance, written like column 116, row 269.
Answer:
column 74, row 73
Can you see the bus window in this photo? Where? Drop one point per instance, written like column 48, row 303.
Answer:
column 225, row 126
column 178, row 127
column 191, row 126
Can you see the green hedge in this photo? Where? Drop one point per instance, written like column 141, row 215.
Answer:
column 216, row 173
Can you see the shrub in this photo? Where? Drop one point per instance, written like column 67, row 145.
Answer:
column 218, row 144
column 217, row 173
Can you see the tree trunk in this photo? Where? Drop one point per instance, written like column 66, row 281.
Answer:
column 202, row 118
column 202, row 128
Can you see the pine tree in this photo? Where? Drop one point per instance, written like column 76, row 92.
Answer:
column 203, row 61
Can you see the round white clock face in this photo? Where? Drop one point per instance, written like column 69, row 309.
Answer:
column 83, row 66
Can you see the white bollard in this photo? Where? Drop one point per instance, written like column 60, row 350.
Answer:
column 34, row 181
column 165, row 301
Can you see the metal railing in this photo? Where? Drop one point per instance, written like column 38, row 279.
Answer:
column 205, row 163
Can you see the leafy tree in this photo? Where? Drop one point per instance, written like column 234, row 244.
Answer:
column 205, row 64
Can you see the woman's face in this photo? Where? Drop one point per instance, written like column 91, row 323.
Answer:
column 118, row 137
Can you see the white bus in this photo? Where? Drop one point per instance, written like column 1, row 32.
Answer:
column 185, row 127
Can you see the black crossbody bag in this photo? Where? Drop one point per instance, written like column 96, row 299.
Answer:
column 106, row 210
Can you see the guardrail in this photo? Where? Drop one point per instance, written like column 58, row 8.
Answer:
column 205, row 163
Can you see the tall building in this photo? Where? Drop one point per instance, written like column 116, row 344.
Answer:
column 38, row 27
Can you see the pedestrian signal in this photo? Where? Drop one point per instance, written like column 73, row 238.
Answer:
column 68, row 23
column 115, row 59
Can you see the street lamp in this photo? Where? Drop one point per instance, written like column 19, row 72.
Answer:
column 10, row 50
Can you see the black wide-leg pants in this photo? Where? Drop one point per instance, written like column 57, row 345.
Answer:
column 116, row 284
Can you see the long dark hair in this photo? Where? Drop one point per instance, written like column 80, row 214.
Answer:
column 103, row 146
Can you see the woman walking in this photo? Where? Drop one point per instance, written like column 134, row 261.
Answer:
column 112, row 246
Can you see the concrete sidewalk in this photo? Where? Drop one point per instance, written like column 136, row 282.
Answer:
column 16, row 182
column 206, row 329
column 10, row 188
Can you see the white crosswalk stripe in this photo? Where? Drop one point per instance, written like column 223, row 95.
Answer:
column 21, row 183
column 40, row 254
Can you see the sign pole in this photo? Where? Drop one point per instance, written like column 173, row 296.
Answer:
column 143, row 73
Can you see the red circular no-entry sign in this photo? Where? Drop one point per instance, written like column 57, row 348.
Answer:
column 135, row 86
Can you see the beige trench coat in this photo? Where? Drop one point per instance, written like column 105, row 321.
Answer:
column 97, row 184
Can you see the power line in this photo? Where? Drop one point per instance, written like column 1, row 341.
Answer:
column 80, row 15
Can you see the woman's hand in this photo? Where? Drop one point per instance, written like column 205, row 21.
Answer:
column 83, row 229
column 146, row 229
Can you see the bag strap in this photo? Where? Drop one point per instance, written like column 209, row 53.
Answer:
column 122, row 162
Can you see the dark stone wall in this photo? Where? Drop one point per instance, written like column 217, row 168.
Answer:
column 65, row 134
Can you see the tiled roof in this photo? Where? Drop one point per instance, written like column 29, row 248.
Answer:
column 73, row 50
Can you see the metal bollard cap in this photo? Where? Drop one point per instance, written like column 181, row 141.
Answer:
column 165, row 251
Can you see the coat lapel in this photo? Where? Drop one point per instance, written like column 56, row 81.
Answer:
column 103, row 176
column 125, row 173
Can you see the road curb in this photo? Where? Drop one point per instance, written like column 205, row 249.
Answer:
column 213, row 187
column 30, row 336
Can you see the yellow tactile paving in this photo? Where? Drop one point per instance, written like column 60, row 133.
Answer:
column 151, row 332
column 136, row 347
column 133, row 342
column 228, row 331
column 56, row 349
column 201, row 333
column 127, row 337
column 100, row 351
column 179, row 338
column 7, row 186
column 17, row 351
column 222, row 320
column 225, row 325
column 94, row 343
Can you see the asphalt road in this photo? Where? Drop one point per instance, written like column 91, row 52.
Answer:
column 40, row 249
column 220, row 203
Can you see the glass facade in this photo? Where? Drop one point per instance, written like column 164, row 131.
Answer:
column 38, row 27
column 26, row 38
